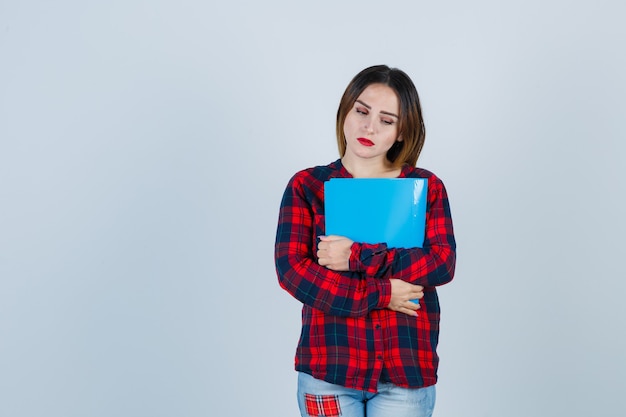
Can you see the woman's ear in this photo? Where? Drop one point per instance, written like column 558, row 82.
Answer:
column 399, row 139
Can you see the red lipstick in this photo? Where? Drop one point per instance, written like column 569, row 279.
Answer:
column 365, row 142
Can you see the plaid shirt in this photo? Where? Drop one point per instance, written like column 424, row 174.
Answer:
column 348, row 335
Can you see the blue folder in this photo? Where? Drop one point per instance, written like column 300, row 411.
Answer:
column 377, row 210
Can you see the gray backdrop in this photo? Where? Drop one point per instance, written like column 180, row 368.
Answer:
column 145, row 146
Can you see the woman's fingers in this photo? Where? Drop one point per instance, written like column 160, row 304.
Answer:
column 333, row 252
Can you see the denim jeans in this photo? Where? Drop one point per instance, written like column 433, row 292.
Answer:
column 319, row 398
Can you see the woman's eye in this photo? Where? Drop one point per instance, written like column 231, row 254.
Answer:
column 361, row 111
column 387, row 121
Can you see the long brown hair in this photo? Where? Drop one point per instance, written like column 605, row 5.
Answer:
column 411, row 125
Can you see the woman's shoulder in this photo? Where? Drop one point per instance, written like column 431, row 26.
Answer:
column 318, row 172
column 314, row 177
column 417, row 172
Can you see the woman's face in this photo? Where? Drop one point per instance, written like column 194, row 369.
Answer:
column 371, row 126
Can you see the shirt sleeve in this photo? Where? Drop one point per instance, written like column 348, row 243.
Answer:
column 336, row 293
column 431, row 265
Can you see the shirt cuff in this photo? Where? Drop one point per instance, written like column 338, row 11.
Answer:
column 384, row 291
column 362, row 253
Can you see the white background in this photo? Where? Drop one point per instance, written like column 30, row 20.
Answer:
column 145, row 146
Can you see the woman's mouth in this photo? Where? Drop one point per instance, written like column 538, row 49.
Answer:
column 365, row 142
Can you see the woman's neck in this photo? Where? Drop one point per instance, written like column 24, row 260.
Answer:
column 371, row 168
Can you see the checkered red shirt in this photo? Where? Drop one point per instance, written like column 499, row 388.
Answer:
column 348, row 334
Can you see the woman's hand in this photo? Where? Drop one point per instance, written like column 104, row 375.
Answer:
column 333, row 252
column 401, row 295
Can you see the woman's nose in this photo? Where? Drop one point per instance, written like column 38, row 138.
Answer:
column 369, row 125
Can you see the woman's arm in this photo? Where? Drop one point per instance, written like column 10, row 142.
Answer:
column 431, row 265
column 337, row 293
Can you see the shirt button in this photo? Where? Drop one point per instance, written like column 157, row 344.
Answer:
column 379, row 357
column 378, row 326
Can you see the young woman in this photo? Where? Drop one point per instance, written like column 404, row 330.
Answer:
column 365, row 347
